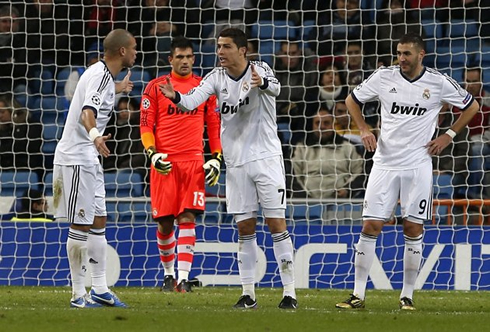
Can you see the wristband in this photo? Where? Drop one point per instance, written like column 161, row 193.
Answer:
column 94, row 133
column 451, row 133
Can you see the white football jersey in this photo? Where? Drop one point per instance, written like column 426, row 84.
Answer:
column 95, row 90
column 409, row 112
column 248, row 116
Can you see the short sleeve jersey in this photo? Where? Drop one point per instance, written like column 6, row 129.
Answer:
column 177, row 133
column 95, row 91
column 409, row 111
column 248, row 116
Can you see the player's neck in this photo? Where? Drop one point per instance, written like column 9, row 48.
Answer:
column 416, row 73
column 238, row 69
column 114, row 67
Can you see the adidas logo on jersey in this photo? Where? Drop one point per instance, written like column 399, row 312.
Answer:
column 224, row 90
column 393, row 90
column 408, row 110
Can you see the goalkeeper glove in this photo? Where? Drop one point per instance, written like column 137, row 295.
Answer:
column 158, row 161
column 212, row 169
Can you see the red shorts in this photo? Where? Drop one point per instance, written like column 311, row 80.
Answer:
column 181, row 190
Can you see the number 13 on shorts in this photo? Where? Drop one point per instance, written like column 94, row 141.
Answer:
column 198, row 199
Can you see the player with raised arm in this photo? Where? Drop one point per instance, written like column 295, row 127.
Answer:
column 174, row 142
column 411, row 97
column 78, row 179
column 252, row 152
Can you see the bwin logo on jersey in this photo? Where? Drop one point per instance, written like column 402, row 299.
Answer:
column 175, row 110
column 225, row 108
column 408, row 110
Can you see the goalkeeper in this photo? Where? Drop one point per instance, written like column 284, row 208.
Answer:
column 173, row 141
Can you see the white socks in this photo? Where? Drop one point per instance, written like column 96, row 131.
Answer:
column 76, row 248
column 247, row 261
column 97, row 253
column 365, row 251
column 283, row 251
column 412, row 257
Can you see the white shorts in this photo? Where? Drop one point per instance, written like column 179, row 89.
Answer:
column 413, row 187
column 257, row 182
column 79, row 193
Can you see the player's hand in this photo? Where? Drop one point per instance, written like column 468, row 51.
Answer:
column 213, row 168
column 167, row 89
column 158, row 161
column 125, row 85
column 368, row 140
column 100, row 145
column 257, row 81
column 438, row 144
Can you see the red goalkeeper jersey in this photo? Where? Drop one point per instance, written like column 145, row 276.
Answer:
column 177, row 133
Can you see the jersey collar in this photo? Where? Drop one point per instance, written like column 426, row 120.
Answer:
column 416, row 78
column 236, row 79
column 105, row 64
column 179, row 77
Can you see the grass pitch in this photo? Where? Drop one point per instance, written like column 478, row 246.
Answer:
column 210, row 309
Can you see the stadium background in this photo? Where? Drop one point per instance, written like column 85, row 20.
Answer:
column 324, row 231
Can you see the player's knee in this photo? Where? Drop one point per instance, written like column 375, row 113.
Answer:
column 186, row 218
column 165, row 224
column 412, row 229
column 246, row 226
column 372, row 227
column 276, row 225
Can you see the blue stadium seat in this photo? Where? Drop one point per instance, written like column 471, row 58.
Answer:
column 453, row 57
column 284, row 132
column 273, row 30
column 306, row 213
column 61, row 79
column 48, row 184
column 139, row 77
column 463, row 28
column 14, row 183
column 124, row 184
column 443, row 189
column 434, row 34
column 267, row 51
column 42, row 82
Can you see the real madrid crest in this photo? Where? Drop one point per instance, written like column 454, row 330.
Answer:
column 426, row 94
column 245, row 87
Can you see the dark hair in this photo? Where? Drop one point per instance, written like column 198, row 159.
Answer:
column 180, row 42
column 414, row 38
column 130, row 101
column 255, row 43
column 336, row 66
column 29, row 197
column 238, row 36
column 9, row 11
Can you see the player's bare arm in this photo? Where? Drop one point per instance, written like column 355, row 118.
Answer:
column 367, row 137
column 126, row 85
column 440, row 143
column 88, row 121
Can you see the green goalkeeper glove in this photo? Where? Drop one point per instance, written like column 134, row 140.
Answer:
column 213, row 168
column 158, row 161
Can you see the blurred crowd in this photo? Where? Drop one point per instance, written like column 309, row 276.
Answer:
column 320, row 51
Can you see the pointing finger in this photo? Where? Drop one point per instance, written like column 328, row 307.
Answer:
column 128, row 75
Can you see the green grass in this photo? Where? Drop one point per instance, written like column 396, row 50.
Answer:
column 210, row 309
